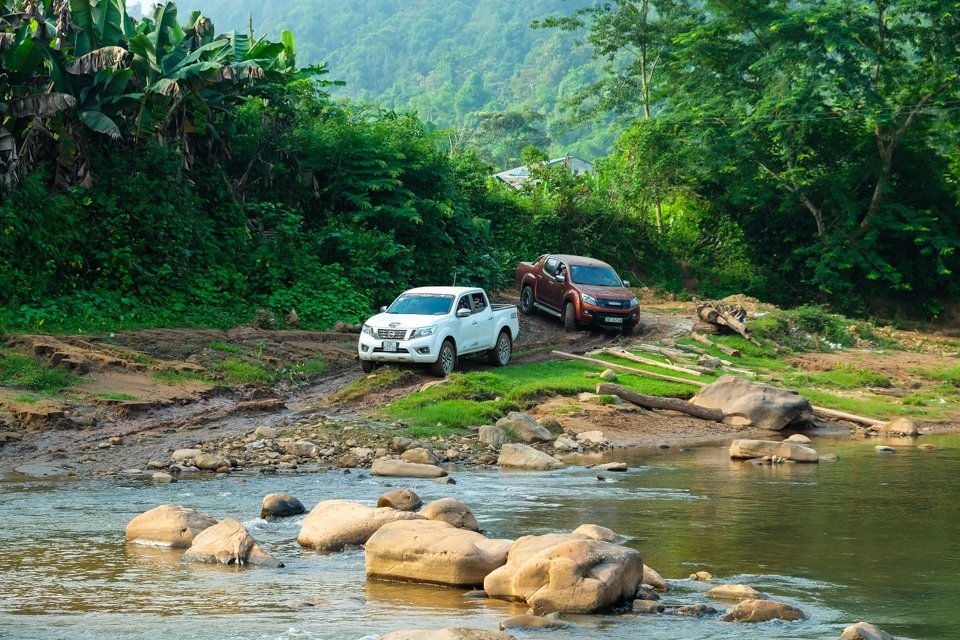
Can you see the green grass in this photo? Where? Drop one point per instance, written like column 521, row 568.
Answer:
column 122, row 397
column 842, row 376
column 482, row 397
column 244, row 373
column 227, row 348
column 21, row 372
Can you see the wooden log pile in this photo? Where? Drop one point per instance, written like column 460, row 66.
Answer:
column 723, row 315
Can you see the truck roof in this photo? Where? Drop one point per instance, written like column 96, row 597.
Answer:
column 570, row 259
column 454, row 291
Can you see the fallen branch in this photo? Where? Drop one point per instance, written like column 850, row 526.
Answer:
column 620, row 367
column 843, row 415
column 730, row 351
column 620, row 352
column 657, row 402
column 820, row 411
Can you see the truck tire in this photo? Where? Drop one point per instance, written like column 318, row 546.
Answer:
column 569, row 317
column 367, row 366
column 499, row 356
column 526, row 301
column 446, row 360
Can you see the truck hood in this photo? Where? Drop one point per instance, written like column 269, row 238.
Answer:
column 609, row 293
column 401, row 321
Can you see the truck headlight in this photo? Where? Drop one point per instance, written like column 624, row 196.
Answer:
column 367, row 329
column 588, row 299
column 423, row 332
column 634, row 302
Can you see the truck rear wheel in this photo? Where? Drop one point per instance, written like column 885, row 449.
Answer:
column 446, row 360
column 499, row 356
column 526, row 301
column 569, row 317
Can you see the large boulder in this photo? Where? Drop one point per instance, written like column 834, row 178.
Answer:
column 169, row 525
column 522, row 456
column 524, row 427
column 335, row 524
column 567, row 573
column 451, row 511
column 763, row 611
column 228, row 542
column 280, row 505
column 403, row 469
column 865, row 631
column 449, row 633
column 754, row 404
column 749, row 449
column 896, row 427
column 432, row 551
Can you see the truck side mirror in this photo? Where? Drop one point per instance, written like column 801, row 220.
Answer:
column 626, row 283
column 463, row 313
column 561, row 277
column 383, row 309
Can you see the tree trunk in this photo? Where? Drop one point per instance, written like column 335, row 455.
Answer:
column 657, row 402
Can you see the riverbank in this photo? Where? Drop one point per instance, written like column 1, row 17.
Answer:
column 123, row 416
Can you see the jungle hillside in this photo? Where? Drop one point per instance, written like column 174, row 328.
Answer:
column 189, row 168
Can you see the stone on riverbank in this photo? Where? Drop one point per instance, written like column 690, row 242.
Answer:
column 451, row 511
column 524, row 427
column 228, row 542
column 737, row 592
column 434, row 552
column 449, row 633
column 335, row 524
column 865, row 631
column 749, row 449
column 280, row 505
column 756, row 610
column 402, row 469
column 522, row 456
column 568, row 573
column 400, row 499
column 168, row 525
column 754, row 404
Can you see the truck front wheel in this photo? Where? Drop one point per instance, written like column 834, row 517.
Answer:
column 499, row 356
column 446, row 360
column 526, row 301
column 569, row 317
column 367, row 366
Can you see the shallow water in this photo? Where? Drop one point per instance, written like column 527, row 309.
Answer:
column 870, row 537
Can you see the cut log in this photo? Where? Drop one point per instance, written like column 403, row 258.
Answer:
column 843, row 415
column 669, row 354
column 657, row 402
column 620, row 352
column 620, row 367
column 730, row 351
column 722, row 315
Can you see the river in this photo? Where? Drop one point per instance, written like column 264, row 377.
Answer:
column 870, row 537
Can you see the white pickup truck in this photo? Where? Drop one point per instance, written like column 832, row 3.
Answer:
column 437, row 325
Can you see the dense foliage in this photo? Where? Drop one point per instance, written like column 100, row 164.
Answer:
column 157, row 172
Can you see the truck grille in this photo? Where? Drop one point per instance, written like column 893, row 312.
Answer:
column 605, row 303
column 391, row 334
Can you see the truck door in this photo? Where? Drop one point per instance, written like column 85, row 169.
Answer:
column 468, row 332
column 550, row 289
column 486, row 325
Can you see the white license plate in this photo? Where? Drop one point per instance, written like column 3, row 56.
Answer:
column 615, row 320
column 390, row 345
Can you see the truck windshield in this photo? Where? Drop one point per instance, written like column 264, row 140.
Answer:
column 594, row 276
column 422, row 304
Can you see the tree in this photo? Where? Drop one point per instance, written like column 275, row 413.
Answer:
column 803, row 116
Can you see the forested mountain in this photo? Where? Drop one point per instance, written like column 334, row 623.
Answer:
column 448, row 61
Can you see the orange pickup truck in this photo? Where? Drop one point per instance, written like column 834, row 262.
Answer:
column 582, row 291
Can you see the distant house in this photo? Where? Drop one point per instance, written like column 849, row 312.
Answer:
column 517, row 176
